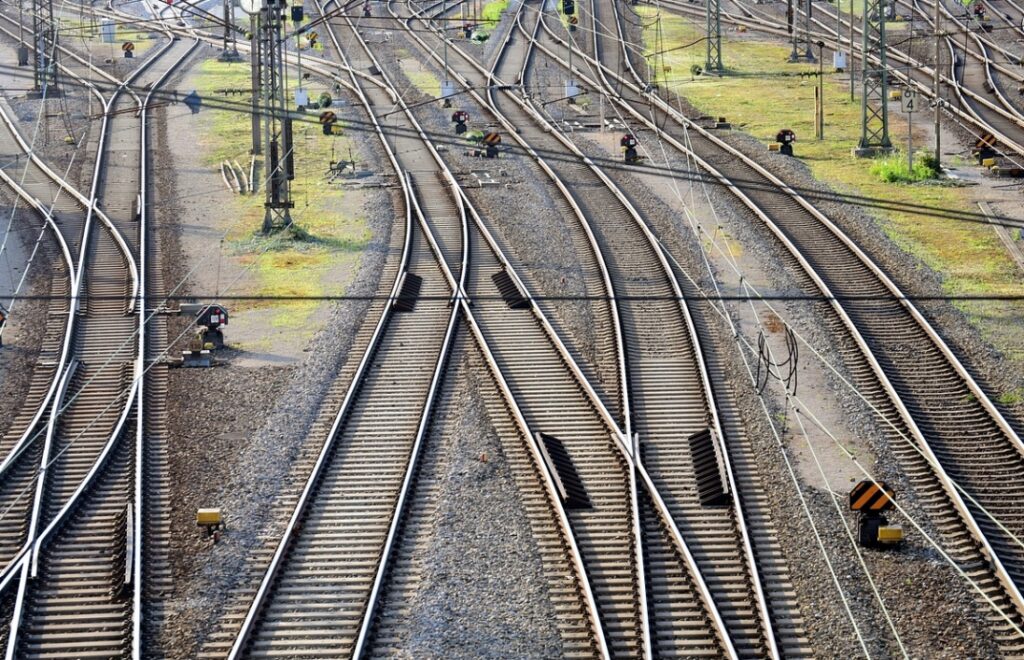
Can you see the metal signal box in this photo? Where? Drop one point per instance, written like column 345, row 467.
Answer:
column 209, row 518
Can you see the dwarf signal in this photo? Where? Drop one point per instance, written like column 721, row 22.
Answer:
column 327, row 119
column 628, row 143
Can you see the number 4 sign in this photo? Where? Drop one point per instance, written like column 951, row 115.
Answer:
column 909, row 99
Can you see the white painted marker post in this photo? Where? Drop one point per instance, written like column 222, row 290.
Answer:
column 909, row 100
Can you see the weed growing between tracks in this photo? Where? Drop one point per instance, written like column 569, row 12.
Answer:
column 757, row 96
column 492, row 11
column 322, row 254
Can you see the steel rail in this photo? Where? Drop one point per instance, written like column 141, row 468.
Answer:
column 262, row 593
column 663, row 510
column 32, row 429
column 629, row 456
column 1007, row 112
column 768, row 628
column 89, row 204
column 291, row 530
column 972, row 116
column 391, row 156
column 947, row 483
column 466, row 205
column 131, row 261
column 37, row 505
column 426, row 417
column 970, row 122
column 709, row 396
column 47, row 215
column 705, row 379
column 139, row 520
column 31, row 558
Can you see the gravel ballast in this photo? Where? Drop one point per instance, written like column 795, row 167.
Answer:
column 480, row 589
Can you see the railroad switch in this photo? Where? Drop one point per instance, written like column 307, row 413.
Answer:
column 785, row 138
column 3, row 323
column 212, row 521
column 871, row 499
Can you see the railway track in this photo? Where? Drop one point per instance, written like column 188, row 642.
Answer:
column 443, row 251
column 599, row 547
column 74, row 584
column 943, row 415
column 268, row 627
column 59, row 212
column 64, row 210
column 673, row 470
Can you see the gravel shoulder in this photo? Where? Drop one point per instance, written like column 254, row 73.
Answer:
column 480, row 592
column 23, row 335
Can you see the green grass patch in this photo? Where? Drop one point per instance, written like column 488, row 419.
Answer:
column 896, row 169
column 86, row 34
column 1011, row 398
column 330, row 236
column 492, row 11
column 423, row 80
column 762, row 93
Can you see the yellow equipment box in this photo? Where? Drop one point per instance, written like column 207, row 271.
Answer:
column 890, row 534
column 208, row 517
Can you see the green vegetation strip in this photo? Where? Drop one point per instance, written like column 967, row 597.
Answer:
column 759, row 95
column 331, row 234
column 492, row 11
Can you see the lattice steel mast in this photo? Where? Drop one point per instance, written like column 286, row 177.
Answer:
column 874, row 135
column 713, row 61
column 277, row 126
column 44, row 42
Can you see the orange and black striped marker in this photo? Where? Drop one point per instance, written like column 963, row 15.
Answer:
column 871, row 496
column 986, row 141
column 492, row 139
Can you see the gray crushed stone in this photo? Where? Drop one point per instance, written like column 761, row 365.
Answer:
column 483, row 593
